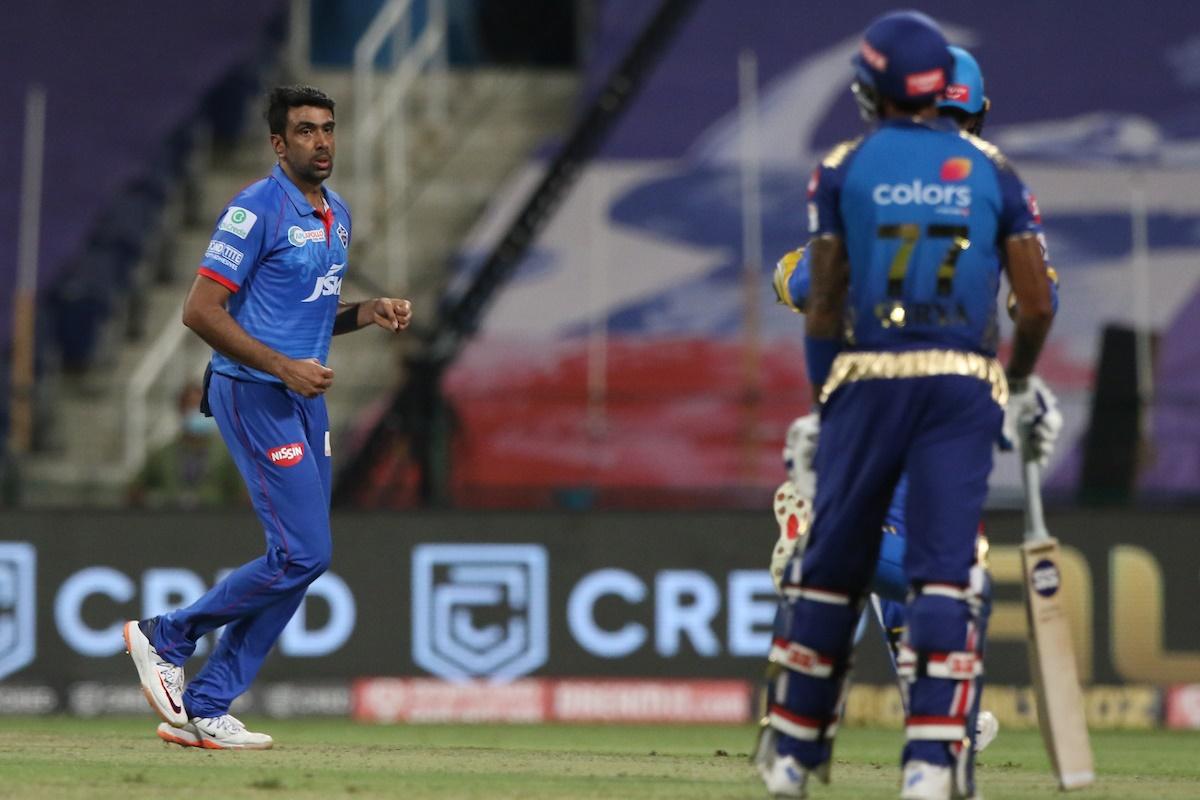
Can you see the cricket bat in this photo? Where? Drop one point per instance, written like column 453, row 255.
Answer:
column 1051, row 659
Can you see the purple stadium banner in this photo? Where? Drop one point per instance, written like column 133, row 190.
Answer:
column 118, row 80
column 629, row 331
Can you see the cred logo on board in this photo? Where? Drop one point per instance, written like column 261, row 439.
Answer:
column 286, row 455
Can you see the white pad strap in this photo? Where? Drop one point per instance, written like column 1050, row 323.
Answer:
column 799, row 658
column 972, row 595
column 958, row 665
column 955, row 666
column 816, row 595
column 798, row 727
column 935, row 729
column 945, row 590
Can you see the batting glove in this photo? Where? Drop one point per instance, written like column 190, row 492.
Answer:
column 799, row 450
column 783, row 275
column 794, row 515
column 1032, row 413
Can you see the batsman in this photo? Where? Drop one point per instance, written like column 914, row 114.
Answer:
column 910, row 229
column 966, row 103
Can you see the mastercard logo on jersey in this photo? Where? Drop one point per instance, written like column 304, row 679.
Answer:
column 286, row 455
column 956, row 169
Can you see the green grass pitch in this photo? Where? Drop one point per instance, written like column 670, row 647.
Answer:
column 63, row 758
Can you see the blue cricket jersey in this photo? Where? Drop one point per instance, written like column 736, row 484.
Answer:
column 924, row 211
column 800, row 279
column 284, row 262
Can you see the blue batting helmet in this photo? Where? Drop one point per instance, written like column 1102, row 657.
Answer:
column 965, row 90
column 904, row 57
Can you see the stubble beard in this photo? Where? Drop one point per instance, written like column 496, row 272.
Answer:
column 314, row 174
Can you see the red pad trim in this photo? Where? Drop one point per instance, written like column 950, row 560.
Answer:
column 936, row 721
column 790, row 716
column 785, row 644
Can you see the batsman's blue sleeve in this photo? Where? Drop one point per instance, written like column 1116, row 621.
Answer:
column 824, row 193
column 818, row 357
column 819, row 353
column 1019, row 210
column 825, row 219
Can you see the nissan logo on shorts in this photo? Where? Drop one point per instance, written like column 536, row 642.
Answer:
column 479, row 610
column 18, row 618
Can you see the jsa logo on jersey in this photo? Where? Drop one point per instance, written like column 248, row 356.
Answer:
column 327, row 284
column 286, row 455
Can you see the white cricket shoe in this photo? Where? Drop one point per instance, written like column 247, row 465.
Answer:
column 785, row 777
column 227, row 732
column 162, row 681
column 986, row 729
column 925, row 781
column 184, row 737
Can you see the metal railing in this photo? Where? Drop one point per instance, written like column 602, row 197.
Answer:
column 381, row 121
column 419, row 413
column 143, row 430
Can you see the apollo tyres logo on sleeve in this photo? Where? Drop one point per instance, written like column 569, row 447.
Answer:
column 18, row 565
column 238, row 221
column 479, row 609
column 287, row 455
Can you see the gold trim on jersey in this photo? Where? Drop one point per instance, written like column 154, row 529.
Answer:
column 987, row 148
column 886, row 365
column 838, row 154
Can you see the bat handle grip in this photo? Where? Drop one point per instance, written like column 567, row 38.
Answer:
column 1031, row 477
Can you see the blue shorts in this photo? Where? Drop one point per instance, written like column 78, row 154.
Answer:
column 280, row 442
column 936, row 431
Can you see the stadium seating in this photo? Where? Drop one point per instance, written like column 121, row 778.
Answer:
column 128, row 91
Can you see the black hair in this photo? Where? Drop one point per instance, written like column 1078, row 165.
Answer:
column 957, row 114
column 282, row 98
column 971, row 123
column 910, row 106
column 871, row 102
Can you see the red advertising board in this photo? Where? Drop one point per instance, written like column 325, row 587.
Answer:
column 627, row 700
